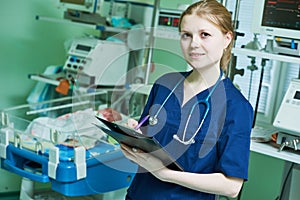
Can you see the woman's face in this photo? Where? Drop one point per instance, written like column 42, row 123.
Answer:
column 202, row 42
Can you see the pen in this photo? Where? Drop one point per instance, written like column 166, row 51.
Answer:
column 142, row 122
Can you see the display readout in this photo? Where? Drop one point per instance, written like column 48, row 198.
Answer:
column 282, row 14
column 83, row 47
column 168, row 21
column 297, row 95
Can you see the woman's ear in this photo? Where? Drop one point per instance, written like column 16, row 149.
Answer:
column 227, row 39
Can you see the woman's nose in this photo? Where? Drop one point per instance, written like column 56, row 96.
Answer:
column 196, row 42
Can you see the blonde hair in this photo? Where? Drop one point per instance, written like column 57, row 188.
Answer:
column 217, row 14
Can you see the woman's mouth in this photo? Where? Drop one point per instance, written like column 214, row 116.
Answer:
column 196, row 55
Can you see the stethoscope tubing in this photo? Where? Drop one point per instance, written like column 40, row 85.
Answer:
column 153, row 119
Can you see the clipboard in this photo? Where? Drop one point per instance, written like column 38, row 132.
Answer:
column 132, row 138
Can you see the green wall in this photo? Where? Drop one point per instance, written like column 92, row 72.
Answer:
column 29, row 46
column 265, row 174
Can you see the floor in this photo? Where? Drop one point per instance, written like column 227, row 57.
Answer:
column 115, row 195
column 29, row 192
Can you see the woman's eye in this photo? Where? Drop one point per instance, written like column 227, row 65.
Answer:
column 185, row 35
column 204, row 34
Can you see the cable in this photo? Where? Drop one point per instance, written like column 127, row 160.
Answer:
column 263, row 64
column 285, row 181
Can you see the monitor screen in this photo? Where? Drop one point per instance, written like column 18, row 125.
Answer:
column 297, row 95
column 277, row 18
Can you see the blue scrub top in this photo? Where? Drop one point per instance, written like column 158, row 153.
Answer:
column 222, row 145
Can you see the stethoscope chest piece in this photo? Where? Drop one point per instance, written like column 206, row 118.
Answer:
column 153, row 120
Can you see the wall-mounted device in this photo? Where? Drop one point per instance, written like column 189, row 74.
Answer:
column 167, row 22
column 138, row 12
column 287, row 118
column 286, row 46
column 277, row 18
column 86, row 11
column 91, row 6
column 97, row 62
column 280, row 19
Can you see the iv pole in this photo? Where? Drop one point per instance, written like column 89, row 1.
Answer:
column 232, row 70
column 151, row 42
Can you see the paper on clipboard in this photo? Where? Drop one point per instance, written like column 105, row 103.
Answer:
column 132, row 138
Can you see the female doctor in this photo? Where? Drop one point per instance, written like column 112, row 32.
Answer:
column 199, row 117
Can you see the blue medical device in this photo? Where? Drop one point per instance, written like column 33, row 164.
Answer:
column 78, row 162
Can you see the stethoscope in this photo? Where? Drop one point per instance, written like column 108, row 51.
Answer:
column 153, row 120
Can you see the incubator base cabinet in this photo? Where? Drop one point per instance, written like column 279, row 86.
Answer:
column 57, row 142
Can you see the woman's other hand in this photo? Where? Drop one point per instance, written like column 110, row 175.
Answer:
column 145, row 160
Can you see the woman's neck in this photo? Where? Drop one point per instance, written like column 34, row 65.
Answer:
column 204, row 77
column 197, row 82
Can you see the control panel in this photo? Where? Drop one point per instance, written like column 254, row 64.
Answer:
column 97, row 62
column 78, row 53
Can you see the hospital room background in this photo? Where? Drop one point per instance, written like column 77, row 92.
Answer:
column 30, row 44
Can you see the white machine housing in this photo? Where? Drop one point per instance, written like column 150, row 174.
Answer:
column 287, row 118
column 286, row 46
column 141, row 12
column 97, row 62
column 90, row 6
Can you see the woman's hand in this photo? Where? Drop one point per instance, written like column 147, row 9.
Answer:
column 132, row 123
column 145, row 160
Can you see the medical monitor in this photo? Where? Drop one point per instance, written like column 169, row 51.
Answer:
column 280, row 18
